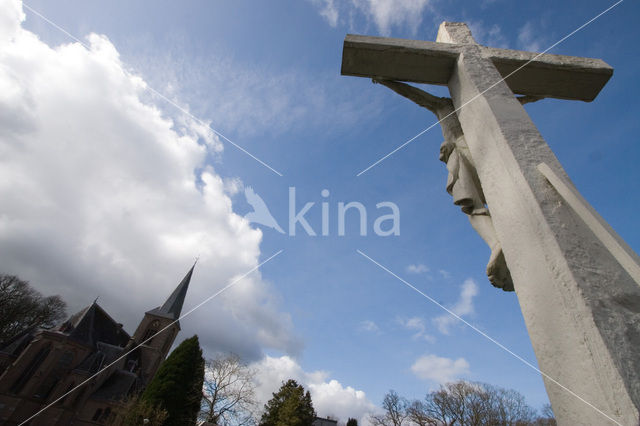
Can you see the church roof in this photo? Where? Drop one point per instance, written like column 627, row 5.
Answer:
column 173, row 305
column 92, row 325
column 104, row 355
column 16, row 344
column 118, row 386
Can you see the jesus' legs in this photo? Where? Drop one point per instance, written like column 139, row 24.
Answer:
column 497, row 269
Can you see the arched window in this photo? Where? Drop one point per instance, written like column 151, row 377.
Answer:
column 57, row 373
column 31, row 368
column 151, row 330
column 132, row 365
column 106, row 414
column 147, row 335
column 97, row 415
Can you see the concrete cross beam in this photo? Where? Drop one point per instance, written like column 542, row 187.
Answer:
column 552, row 76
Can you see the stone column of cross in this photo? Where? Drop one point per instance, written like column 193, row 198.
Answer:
column 577, row 282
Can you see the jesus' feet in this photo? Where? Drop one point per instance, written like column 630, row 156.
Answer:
column 497, row 270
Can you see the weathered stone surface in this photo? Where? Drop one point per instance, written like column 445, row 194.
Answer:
column 397, row 59
column 556, row 76
column 581, row 307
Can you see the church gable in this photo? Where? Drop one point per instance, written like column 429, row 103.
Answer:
column 93, row 325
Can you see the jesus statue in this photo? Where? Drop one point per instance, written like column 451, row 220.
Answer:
column 462, row 182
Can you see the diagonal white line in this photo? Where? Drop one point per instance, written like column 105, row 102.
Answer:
column 485, row 335
column 492, row 86
column 225, row 288
column 151, row 89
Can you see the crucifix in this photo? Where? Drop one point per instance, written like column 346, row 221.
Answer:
column 577, row 282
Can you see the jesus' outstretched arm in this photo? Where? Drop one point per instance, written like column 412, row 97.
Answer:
column 420, row 97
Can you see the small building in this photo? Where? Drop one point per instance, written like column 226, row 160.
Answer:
column 38, row 367
column 320, row 421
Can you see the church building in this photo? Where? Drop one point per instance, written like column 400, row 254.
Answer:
column 39, row 366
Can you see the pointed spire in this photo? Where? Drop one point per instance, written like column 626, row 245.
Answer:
column 173, row 306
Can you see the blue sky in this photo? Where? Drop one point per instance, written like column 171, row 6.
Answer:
column 267, row 76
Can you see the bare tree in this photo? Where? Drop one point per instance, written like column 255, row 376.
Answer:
column 396, row 411
column 228, row 396
column 23, row 308
column 547, row 411
column 419, row 415
column 471, row 404
column 509, row 406
column 546, row 418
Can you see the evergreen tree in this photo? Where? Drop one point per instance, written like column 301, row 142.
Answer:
column 352, row 422
column 177, row 386
column 290, row 406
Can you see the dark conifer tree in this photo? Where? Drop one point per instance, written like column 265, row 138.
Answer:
column 290, row 406
column 352, row 422
column 177, row 386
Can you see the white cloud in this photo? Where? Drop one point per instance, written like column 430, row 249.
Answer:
column 250, row 102
column 329, row 396
column 445, row 274
column 368, row 325
column 528, row 40
column 328, row 11
column 439, row 369
column 232, row 186
column 417, row 269
column 463, row 307
column 488, row 35
column 388, row 13
column 385, row 14
column 418, row 325
column 99, row 196
column 10, row 20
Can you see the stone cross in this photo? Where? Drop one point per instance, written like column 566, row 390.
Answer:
column 577, row 282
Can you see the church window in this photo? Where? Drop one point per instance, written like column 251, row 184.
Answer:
column 148, row 335
column 30, row 370
column 106, row 414
column 151, row 331
column 97, row 362
column 97, row 415
column 55, row 375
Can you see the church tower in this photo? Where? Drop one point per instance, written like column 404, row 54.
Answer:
column 161, row 320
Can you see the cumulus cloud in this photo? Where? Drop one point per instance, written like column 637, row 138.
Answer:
column 418, row 325
column 464, row 306
column 385, row 14
column 102, row 194
column 10, row 20
column 330, row 397
column 417, row 268
column 439, row 369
